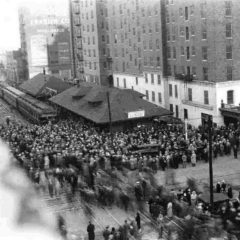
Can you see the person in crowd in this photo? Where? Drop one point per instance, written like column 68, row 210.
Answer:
column 106, row 233
column 138, row 221
column 193, row 159
column 91, row 231
column 218, row 187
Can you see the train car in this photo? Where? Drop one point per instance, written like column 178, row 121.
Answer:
column 33, row 109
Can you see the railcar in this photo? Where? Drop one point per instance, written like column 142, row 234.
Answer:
column 33, row 109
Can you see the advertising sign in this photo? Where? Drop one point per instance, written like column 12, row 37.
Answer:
column 39, row 50
column 136, row 114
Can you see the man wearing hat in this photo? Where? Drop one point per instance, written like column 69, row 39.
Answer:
column 106, row 233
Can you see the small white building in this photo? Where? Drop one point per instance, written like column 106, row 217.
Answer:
column 191, row 100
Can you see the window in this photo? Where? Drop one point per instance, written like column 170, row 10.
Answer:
column 228, row 8
column 230, row 99
column 103, row 38
column 90, row 65
column 143, row 29
column 174, row 53
column 157, row 27
column 153, row 96
column 228, row 30
column 182, row 31
column 187, row 33
column 157, row 44
column 124, row 83
column 194, row 70
column 206, row 100
column 182, row 50
column 150, row 28
column 173, row 33
column 92, row 27
column 117, row 82
column 147, row 95
column 204, row 32
column 229, row 73
column 176, row 111
column 136, row 80
column 93, row 40
column 205, row 73
column 193, row 51
column 150, row 44
column 193, row 30
column 95, row 65
column 185, row 113
column 189, row 94
column 169, row 70
column 191, row 9
column 180, row 12
column 89, row 52
column 139, row 52
column 144, row 45
column 123, row 67
column 158, row 61
column 170, row 90
column 186, row 13
column 171, row 108
column 169, row 52
column 139, row 36
column 204, row 53
column 167, row 17
column 152, row 78
column 159, row 97
column 151, row 61
column 188, row 53
column 203, row 10
column 229, row 52
column 146, row 78
column 176, row 91
column 159, row 79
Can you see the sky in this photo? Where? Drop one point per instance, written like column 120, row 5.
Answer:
column 9, row 28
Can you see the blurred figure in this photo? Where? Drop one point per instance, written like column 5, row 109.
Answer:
column 91, row 231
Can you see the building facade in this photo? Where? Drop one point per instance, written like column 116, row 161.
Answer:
column 45, row 40
column 91, row 41
column 198, row 51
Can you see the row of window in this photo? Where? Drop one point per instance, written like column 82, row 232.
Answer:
column 173, row 53
column 153, row 79
column 176, row 110
column 153, row 99
column 171, row 90
column 144, row 12
column 93, row 65
column 186, row 11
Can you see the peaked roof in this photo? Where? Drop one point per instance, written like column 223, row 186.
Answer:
column 36, row 85
column 122, row 102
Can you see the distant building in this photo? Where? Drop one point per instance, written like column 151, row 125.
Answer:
column 45, row 40
column 90, row 38
column 16, row 70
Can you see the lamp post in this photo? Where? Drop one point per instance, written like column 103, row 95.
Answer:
column 210, row 161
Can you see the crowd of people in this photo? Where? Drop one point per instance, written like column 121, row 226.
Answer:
column 50, row 145
column 53, row 154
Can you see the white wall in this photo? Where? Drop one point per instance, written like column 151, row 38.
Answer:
column 142, row 85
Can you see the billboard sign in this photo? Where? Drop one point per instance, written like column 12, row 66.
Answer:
column 136, row 114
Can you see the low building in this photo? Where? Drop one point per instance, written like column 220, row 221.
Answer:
column 43, row 86
column 99, row 104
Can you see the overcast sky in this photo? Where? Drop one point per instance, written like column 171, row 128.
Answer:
column 9, row 28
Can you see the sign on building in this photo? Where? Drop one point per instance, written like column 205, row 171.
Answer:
column 136, row 114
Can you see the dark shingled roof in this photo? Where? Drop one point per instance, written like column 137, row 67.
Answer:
column 93, row 105
column 36, row 85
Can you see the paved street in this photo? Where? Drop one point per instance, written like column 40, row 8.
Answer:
column 77, row 221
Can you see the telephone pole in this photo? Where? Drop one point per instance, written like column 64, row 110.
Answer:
column 110, row 117
column 210, row 161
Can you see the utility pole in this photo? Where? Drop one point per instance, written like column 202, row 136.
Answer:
column 110, row 117
column 210, row 161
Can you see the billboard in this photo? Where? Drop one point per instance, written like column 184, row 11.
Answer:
column 39, row 55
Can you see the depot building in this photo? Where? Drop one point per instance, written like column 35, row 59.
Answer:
column 101, row 105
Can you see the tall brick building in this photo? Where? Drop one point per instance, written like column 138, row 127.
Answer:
column 91, row 40
column 203, row 39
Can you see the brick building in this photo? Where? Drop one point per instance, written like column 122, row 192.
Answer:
column 91, row 40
